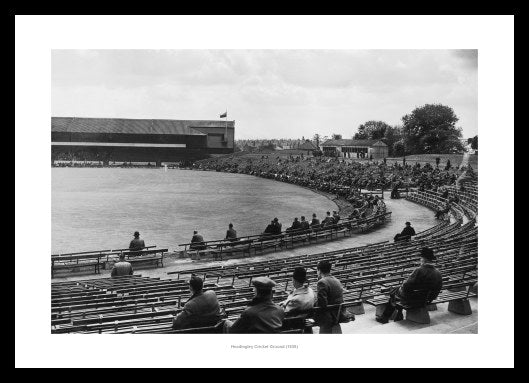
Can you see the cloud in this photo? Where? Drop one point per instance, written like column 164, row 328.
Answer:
column 271, row 93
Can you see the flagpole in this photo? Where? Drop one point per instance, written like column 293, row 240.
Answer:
column 226, row 130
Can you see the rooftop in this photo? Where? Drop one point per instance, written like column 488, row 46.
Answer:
column 351, row 142
column 133, row 126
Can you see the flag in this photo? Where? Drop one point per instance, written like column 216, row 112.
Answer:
column 225, row 114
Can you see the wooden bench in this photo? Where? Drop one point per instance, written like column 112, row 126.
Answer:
column 76, row 262
column 457, row 303
column 151, row 256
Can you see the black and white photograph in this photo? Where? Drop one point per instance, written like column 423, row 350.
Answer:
column 265, row 199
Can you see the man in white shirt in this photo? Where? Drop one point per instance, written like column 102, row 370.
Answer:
column 302, row 298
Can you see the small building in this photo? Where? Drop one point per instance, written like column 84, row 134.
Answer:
column 349, row 148
column 307, row 147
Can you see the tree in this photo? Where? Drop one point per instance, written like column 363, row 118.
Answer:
column 336, row 136
column 431, row 129
column 392, row 135
column 474, row 143
column 399, row 148
column 317, row 139
column 371, row 130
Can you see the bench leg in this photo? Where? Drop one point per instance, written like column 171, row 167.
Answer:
column 380, row 311
column 419, row 315
column 357, row 309
column 461, row 306
column 431, row 307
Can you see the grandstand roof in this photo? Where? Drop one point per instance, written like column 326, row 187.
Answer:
column 133, row 126
column 350, row 142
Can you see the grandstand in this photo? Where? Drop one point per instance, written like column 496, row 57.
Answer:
column 141, row 304
column 138, row 140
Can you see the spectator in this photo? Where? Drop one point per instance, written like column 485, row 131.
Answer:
column 422, row 287
column 137, row 243
column 304, row 224
column 231, row 233
column 276, row 227
column 262, row 316
column 328, row 221
column 330, row 292
column 302, row 298
column 296, row 225
column 315, row 221
column 121, row 267
column 197, row 242
column 395, row 192
column 336, row 217
column 269, row 229
column 201, row 310
column 406, row 233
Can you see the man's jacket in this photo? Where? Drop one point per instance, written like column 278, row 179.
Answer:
column 201, row 310
column 424, row 280
column 261, row 316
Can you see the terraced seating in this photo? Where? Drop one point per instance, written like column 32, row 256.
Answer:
column 136, row 304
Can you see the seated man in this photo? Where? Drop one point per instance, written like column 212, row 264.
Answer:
column 137, row 243
column 328, row 220
column 406, row 233
column 269, row 229
column 336, row 217
column 262, row 316
column 315, row 222
column 276, row 227
column 296, row 225
column 201, row 310
column 197, row 242
column 302, row 298
column 231, row 234
column 422, row 287
column 304, row 224
column 121, row 267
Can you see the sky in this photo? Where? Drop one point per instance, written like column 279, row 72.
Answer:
column 269, row 93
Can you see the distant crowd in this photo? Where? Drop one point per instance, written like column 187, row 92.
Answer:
column 335, row 175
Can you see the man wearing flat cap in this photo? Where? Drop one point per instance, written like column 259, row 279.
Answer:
column 422, row 287
column 262, row 316
column 302, row 298
column 201, row 310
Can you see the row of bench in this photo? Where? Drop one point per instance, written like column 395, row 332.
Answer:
column 98, row 260
column 222, row 248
